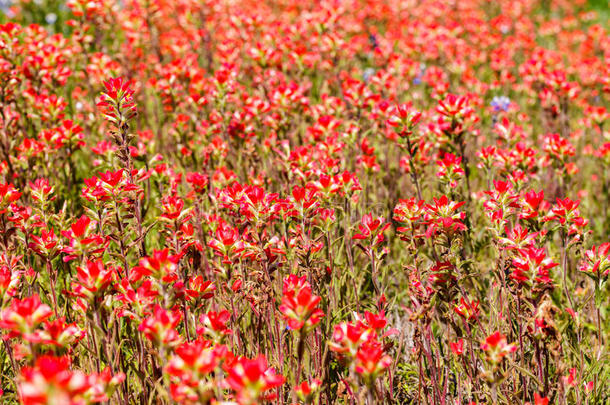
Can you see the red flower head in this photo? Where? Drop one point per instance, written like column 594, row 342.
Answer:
column 160, row 327
column 348, row 337
column 540, row 400
column 372, row 229
column 404, row 119
column 566, row 212
column 532, row 205
column 45, row 245
column 117, row 101
column 371, row 360
column 173, row 209
column 252, row 380
column 9, row 283
column 442, row 217
column 410, row 213
column 59, row 333
column 450, row 169
column 532, row 267
column 8, row 195
column 41, row 191
column 227, row 243
column 198, row 181
column 93, row 280
column 82, row 240
column 299, row 305
column 518, row 238
column 457, row 348
column 459, row 113
column 215, row 325
column 596, row 261
column 191, row 363
column 51, row 380
column 161, row 265
column 496, row 348
column 111, row 179
column 24, row 316
column 307, row 390
column 468, row 310
column 557, row 148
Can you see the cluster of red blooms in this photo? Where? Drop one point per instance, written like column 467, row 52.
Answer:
column 310, row 202
column 360, row 344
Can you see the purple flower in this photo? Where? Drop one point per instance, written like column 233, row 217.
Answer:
column 500, row 103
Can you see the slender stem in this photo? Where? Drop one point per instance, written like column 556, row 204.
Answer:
column 599, row 333
column 413, row 171
column 53, row 293
column 524, row 378
column 300, row 351
column 564, row 263
column 374, row 273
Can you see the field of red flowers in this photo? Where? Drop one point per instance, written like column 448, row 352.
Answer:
column 304, row 202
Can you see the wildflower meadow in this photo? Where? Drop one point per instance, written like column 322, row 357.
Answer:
column 304, row 202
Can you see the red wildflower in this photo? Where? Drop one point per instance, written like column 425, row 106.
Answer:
column 299, row 305
column 252, row 380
